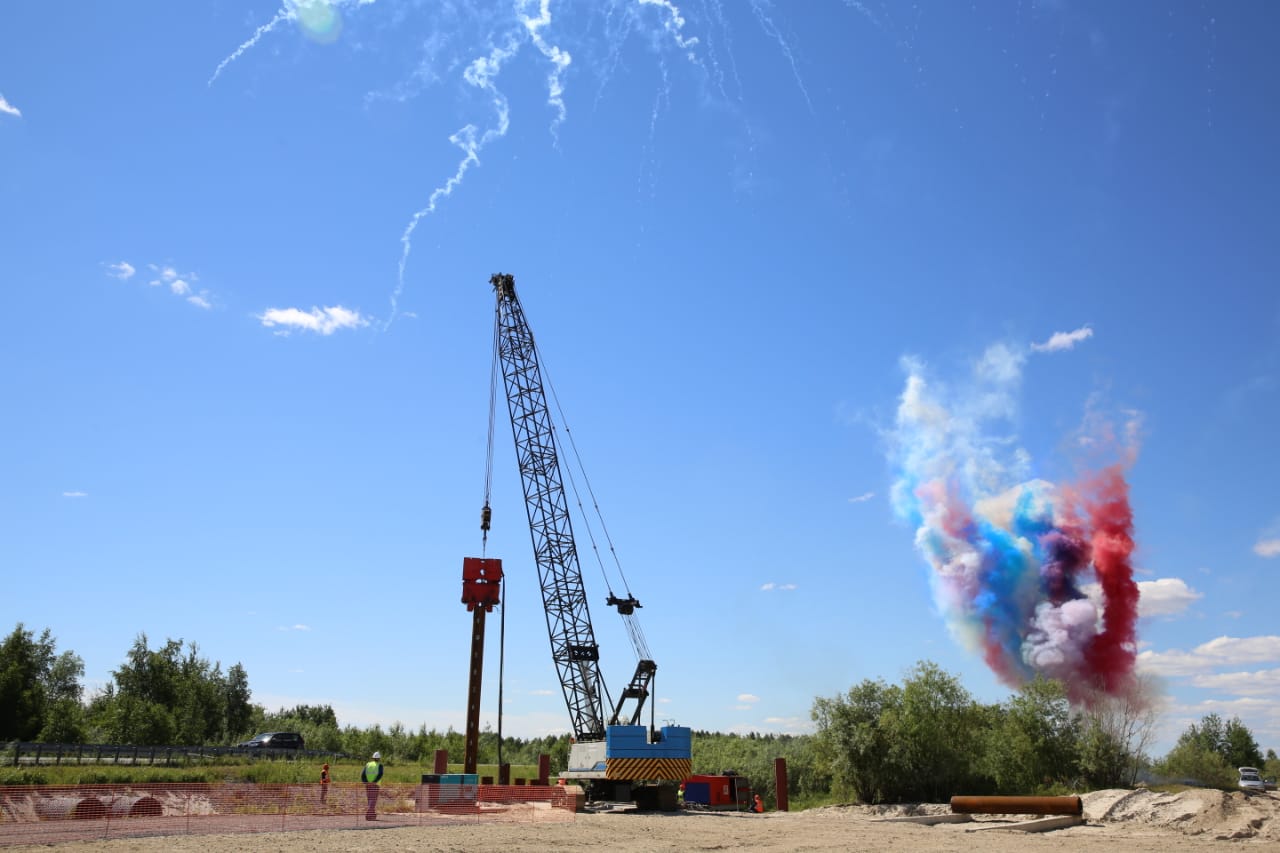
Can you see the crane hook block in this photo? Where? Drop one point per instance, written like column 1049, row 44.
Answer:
column 481, row 582
column 486, row 515
column 626, row 606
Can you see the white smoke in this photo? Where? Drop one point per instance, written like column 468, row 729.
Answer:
column 1059, row 634
column 481, row 73
column 288, row 12
column 559, row 59
column 767, row 24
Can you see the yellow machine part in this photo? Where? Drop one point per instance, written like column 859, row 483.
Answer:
column 668, row 769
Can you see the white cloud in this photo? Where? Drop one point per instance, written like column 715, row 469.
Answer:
column 8, row 108
column 324, row 321
column 75, row 494
column 1215, row 654
column 176, row 281
column 769, row 587
column 790, row 725
column 123, row 270
column 748, row 698
column 1165, row 597
column 298, row 627
column 541, row 692
column 1263, row 682
column 1059, row 341
column 862, row 498
column 1267, row 548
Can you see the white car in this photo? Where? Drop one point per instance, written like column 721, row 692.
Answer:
column 1251, row 779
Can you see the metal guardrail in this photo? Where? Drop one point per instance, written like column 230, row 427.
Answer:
column 19, row 753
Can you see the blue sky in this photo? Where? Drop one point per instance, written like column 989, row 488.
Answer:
column 246, row 252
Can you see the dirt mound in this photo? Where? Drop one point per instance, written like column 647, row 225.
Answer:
column 1217, row 814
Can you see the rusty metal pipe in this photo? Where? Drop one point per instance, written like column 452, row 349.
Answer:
column 1018, row 805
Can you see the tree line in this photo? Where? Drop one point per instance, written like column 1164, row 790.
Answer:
column 173, row 696
column 928, row 739
column 924, row 739
column 170, row 695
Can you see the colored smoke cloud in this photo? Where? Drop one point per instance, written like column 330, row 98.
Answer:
column 1011, row 554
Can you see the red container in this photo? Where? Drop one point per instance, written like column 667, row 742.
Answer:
column 723, row 791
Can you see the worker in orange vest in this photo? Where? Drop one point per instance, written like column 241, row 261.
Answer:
column 758, row 805
column 324, row 784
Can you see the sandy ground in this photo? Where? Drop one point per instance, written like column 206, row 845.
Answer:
column 1115, row 820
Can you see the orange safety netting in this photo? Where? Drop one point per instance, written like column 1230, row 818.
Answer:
column 43, row 814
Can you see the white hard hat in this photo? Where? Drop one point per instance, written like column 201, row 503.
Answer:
column 378, row 755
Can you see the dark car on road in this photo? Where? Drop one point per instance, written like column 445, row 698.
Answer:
column 274, row 740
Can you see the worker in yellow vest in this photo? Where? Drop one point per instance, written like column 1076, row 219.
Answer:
column 371, row 775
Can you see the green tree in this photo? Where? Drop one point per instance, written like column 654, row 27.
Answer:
column 1211, row 751
column 855, row 743
column 1210, row 734
column 22, row 693
column 318, row 725
column 1191, row 761
column 239, row 709
column 64, row 715
column 1240, row 749
column 39, row 689
column 888, row 743
column 938, row 732
column 169, row 695
column 1118, row 730
column 1036, row 741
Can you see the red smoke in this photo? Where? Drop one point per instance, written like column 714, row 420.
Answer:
column 1110, row 655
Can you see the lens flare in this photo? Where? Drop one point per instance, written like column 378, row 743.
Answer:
column 319, row 20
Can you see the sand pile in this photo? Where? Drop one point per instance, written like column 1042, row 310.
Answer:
column 1221, row 815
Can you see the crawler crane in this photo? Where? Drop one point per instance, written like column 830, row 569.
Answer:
column 614, row 756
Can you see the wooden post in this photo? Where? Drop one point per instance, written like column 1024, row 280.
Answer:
column 544, row 769
column 442, row 761
column 780, row 782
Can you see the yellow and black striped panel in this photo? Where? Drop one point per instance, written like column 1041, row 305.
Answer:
column 669, row 769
